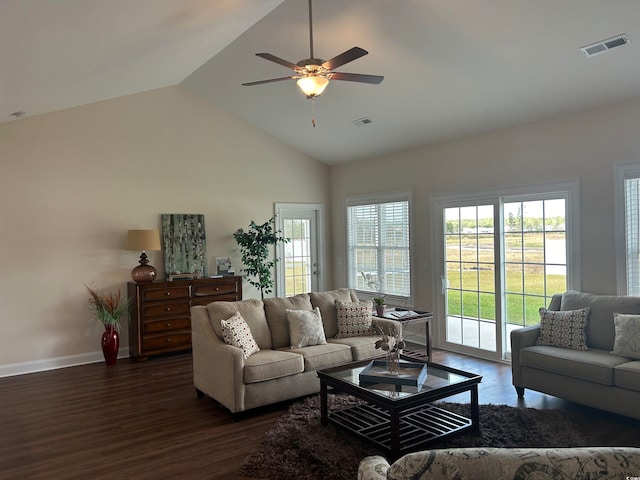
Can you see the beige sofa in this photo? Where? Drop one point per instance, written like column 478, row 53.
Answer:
column 594, row 377
column 507, row 464
column 277, row 372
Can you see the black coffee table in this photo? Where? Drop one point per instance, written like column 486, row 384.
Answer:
column 399, row 418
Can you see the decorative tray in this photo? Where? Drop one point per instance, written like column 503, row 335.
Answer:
column 411, row 373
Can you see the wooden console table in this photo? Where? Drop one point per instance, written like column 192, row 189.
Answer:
column 160, row 312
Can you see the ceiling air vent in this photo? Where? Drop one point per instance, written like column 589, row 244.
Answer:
column 605, row 45
column 361, row 122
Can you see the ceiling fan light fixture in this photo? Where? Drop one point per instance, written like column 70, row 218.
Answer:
column 313, row 86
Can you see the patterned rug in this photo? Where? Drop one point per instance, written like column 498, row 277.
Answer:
column 297, row 447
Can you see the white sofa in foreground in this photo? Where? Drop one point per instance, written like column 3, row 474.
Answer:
column 601, row 463
column 277, row 371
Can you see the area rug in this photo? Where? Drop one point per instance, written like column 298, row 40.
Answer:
column 298, row 447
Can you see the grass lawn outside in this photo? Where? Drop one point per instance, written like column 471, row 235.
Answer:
column 528, row 282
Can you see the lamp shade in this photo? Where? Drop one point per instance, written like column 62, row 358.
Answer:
column 313, row 86
column 143, row 240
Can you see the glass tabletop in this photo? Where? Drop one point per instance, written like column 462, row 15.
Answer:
column 438, row 377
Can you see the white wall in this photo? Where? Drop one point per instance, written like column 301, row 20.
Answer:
column 73, row 182
column 584, row 146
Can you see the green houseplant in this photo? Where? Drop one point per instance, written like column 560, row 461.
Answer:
column 254, row 247
column 380, row 305
column 379, row 301
column 109, row 309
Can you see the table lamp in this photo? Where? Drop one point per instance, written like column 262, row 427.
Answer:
column 143, row 240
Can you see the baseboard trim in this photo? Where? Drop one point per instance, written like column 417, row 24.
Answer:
column 43, row 365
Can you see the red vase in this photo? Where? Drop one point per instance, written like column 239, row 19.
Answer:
column 110, row 344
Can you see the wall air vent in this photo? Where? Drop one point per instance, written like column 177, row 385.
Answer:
column 361, row 122
column 605, row 45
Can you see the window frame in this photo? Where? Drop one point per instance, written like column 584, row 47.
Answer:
column 622, row 172
column 376, row 199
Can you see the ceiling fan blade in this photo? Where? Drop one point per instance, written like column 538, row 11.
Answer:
column 345, row 57
column 278, row 60
column 260, row 82
column 356, row 77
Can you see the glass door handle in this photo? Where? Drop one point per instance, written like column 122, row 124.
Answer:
column 445, row 283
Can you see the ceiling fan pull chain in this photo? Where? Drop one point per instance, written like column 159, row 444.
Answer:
column 313, row 112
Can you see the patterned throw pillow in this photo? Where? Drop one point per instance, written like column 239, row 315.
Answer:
column 354, row 319
column 305, row 327
column 565, row 329
column 627, row 340
column 236, row 332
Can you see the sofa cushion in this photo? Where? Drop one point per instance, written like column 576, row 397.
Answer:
column 600, row 330
column 305, row 328
column 251, row 310
column 627, row 376
column 592, row 365
column 236, row 332
column 326, row 302
column 316, row 357
column 563, row 329
column 276, row 312
column 270, row 364
column 627, row 335
column 362, row 348
column 354, row 318
column 374, row 467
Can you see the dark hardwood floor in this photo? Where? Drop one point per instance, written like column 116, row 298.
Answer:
column 144, row 421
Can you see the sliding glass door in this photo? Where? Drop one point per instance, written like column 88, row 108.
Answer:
column 470, row 276
column 535, row 258
column 500, row 258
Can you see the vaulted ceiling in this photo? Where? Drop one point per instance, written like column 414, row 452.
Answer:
column 452, row 68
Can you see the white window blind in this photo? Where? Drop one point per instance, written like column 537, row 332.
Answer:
column 378, row 244
column 632, row 234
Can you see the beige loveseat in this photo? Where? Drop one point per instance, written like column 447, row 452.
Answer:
column 583, row 463
column 596, row 377
column 277, row 372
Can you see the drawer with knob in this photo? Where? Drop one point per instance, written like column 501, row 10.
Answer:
column 166, row 308
column 167, row 293
column 167, row 325
column 167, row 342
column 219, row 288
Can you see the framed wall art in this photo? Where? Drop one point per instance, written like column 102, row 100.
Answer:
column 184, row 244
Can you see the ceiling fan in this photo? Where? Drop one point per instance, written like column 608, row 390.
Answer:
column 313, row 74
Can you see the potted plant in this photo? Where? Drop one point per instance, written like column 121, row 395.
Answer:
column 109, row 309
column 254, row 247
column 380, row 305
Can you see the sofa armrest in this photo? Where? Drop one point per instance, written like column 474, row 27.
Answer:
column 373, row 468
column 524, row 337
column 521, row 338
column 390, row 327
column 218, row 368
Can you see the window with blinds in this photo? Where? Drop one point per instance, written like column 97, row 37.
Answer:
column 378, row 253
column 632, row 234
